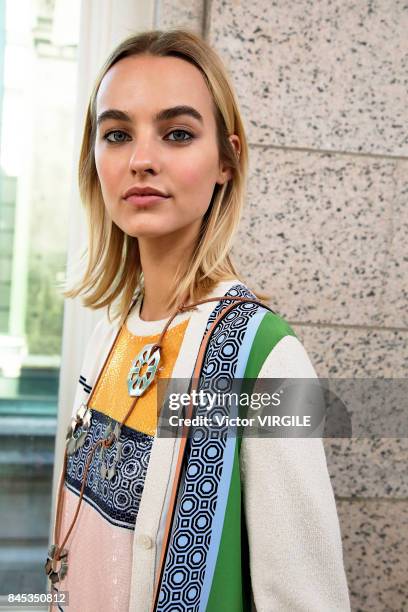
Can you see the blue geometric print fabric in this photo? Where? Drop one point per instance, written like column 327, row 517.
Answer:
column 236, row 291
column 118, row 499
column 193, row 546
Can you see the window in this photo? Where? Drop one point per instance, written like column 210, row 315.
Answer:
column 38, row 91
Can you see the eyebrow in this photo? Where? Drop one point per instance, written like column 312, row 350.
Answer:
column 164, row 114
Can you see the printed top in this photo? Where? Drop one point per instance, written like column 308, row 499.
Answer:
column 100, row 546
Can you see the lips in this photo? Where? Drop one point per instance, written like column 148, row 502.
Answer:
column 144, row 191
column 145, row 200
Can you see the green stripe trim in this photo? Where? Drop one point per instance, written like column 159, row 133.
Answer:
column 270, row 331
column 226, row 588
column 230, row 589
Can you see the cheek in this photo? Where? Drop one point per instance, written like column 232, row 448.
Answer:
column 198, row 172
column 107, row 171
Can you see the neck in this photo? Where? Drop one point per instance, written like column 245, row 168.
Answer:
column 160, row 260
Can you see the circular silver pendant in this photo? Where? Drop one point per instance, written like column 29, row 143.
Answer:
column 137, row 384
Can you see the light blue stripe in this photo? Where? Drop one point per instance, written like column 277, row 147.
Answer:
column 228, row 462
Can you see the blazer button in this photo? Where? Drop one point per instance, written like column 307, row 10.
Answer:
column 145, row 541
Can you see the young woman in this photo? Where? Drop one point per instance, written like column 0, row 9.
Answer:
column 148, row 522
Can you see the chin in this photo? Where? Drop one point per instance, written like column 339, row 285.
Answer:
column 141, row 231
column 137, row 227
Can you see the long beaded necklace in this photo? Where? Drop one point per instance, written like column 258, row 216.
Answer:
column 138, row 380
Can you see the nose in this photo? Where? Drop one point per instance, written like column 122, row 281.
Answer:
column 144, row 158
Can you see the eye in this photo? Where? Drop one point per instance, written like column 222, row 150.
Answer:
column 115, row 132
column 181, row 139
column 177, row 132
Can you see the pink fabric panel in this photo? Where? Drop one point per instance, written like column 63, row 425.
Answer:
column 99, row 560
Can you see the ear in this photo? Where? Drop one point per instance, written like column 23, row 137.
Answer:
column 225, row 174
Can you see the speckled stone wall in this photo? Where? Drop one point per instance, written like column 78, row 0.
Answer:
column 323, row 89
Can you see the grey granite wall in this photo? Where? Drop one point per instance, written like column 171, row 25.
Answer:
column 323, row 88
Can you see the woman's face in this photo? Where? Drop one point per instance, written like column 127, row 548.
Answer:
column 174, row 152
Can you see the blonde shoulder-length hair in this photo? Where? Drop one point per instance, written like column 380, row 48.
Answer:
column 113, row 272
